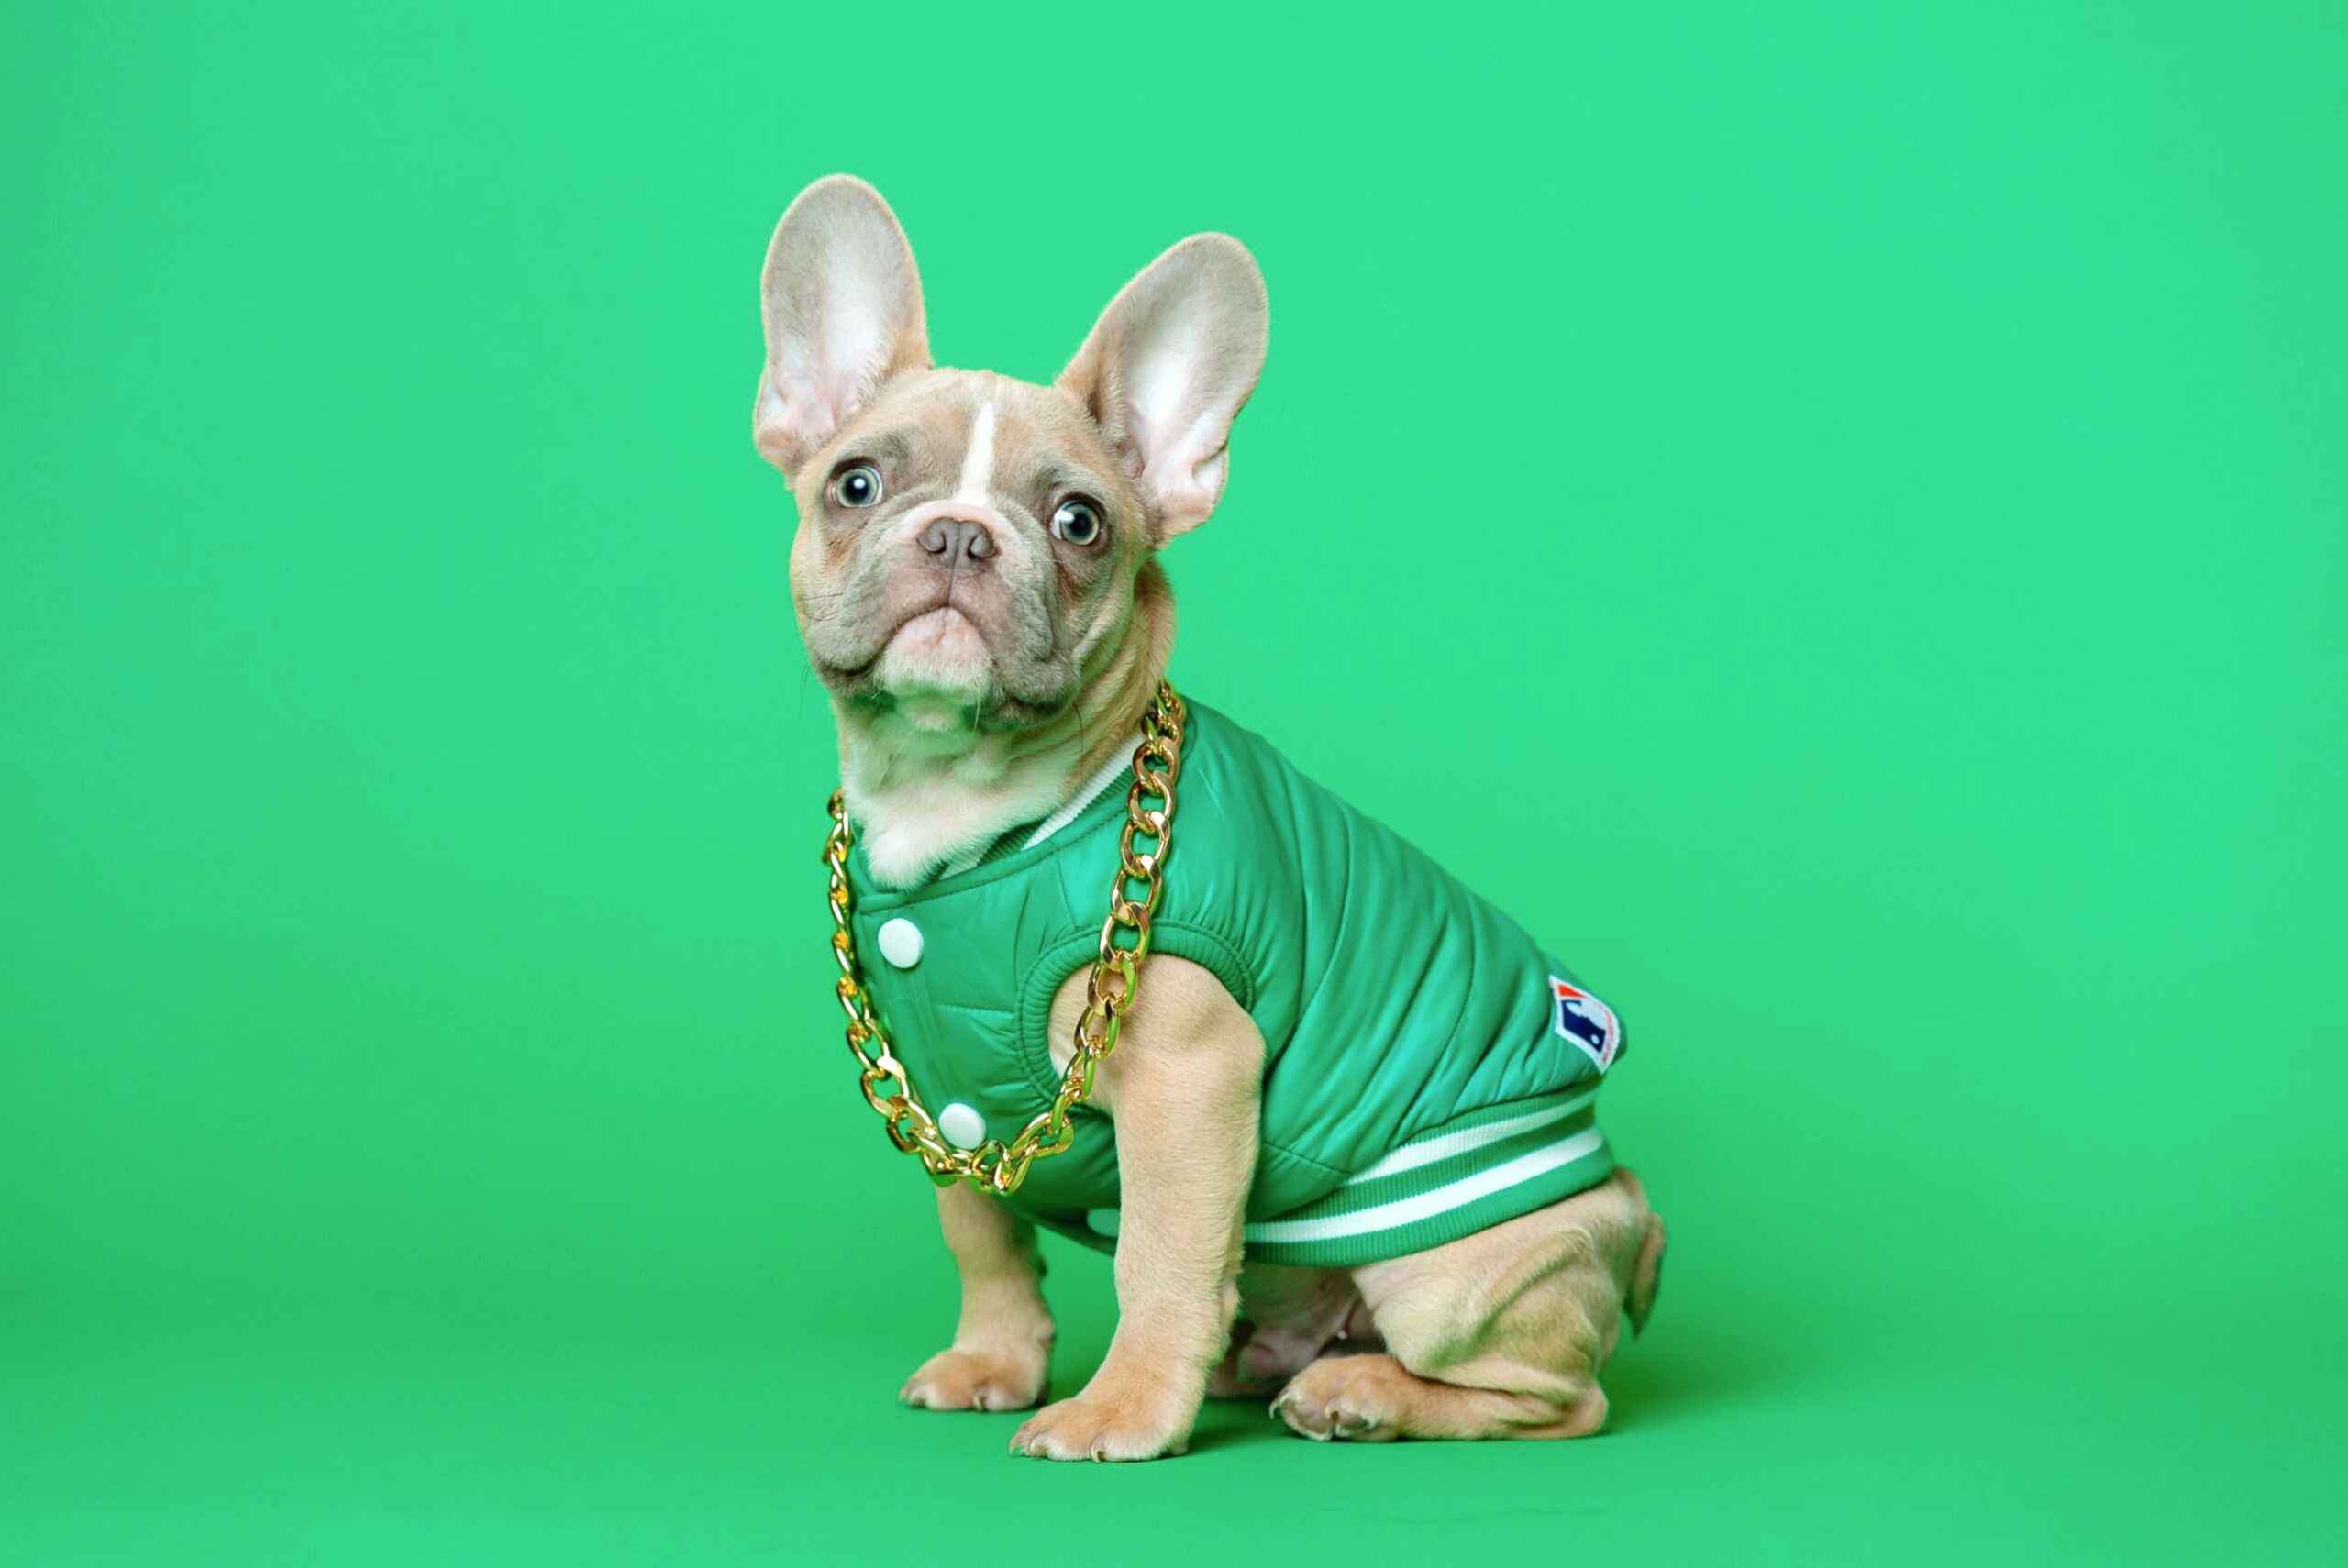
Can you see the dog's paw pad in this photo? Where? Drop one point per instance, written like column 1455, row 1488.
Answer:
column 1101, row 1429
column 974, row 1380
column 1335, row 1422
column 1330, row 1401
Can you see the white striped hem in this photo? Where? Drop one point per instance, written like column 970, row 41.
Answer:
column 1443, row 1145
column 1411, row 1211
column 1436, row 1200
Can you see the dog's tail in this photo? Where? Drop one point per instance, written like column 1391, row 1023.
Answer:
column 1646, row 1269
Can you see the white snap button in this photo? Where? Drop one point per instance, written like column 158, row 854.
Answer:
column 901, row 941
column 964, row 1128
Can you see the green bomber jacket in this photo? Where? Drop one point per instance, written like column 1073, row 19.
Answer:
column 1429, row 1068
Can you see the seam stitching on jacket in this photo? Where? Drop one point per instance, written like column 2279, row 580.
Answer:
column 1337, row 1171
column 1337, row 942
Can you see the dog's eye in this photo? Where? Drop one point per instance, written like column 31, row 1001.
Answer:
column 860, row 486
column 1078, row 521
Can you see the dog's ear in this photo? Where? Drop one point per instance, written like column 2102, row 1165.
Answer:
column 842, row 302
column 1169, row 366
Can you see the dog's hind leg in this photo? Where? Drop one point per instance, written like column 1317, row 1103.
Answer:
column 1375, row 1398
column 1499, row 1334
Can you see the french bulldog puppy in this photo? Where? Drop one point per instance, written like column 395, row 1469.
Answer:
column 976, row 581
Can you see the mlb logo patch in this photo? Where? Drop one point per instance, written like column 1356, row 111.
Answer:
column 1588, row 1023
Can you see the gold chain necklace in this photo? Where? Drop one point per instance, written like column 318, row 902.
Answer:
column 995, row 1166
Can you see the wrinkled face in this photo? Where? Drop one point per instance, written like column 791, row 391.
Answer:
column 968, row 544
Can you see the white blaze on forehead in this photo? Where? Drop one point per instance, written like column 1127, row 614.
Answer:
column 978, row 463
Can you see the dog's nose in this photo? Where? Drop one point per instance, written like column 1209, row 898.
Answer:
column 953, row 539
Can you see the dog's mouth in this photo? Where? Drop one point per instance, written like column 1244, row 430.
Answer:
column 934, row 665
column 939, row 661
column 930, row 625
column 943, row 631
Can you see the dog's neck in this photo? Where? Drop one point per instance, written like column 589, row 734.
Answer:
column 924, row 794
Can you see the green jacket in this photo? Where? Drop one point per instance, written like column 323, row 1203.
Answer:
column 1429, row 1068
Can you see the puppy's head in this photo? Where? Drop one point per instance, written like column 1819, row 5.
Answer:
column 968, row 544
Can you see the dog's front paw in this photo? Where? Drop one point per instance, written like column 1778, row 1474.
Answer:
column 1107, row 1424
column 977, row 1380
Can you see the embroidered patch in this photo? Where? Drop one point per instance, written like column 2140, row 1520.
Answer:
column 1589, row 1023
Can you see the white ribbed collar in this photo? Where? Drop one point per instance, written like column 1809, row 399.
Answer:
column 1085, row 794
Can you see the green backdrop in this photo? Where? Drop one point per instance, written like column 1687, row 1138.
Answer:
column 1833, row 516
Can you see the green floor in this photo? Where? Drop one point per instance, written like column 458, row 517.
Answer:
column 1756, row 1424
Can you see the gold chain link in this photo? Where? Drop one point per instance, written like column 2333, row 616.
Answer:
column 1110, row 991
